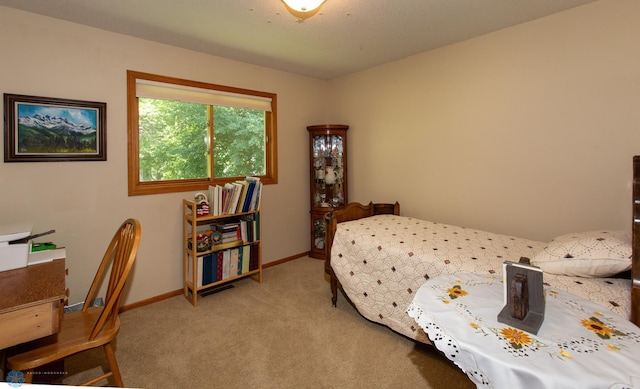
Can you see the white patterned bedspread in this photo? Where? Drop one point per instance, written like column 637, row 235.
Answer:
column 381, row 262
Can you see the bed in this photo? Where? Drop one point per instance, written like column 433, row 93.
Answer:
column 380, row 259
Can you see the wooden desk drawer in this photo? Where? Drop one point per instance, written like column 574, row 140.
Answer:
column 29, row 323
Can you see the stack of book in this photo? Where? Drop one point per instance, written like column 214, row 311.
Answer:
column 235, row 197
column 229, row 232
column 245, row 228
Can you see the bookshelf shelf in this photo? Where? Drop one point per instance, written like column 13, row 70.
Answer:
column 220, row 263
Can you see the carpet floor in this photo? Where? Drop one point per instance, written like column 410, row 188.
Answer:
column 282, row 333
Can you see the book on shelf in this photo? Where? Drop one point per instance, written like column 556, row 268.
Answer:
column 233, row 262
column 256, row 227
column 243, row 264
column 243, row 187
column 224, row 193
column 243, row 231
column 246, row 258
column 231, row 236
column 237, row 190
column 253, row 257
column 199, row 270
column 209, row 272
column 254, row 203
column 226, row 256
column 219, row 262
column 247, row 201
column 216, row 200
column 227, row 192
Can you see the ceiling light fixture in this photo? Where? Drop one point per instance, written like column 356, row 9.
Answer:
column 303, row 9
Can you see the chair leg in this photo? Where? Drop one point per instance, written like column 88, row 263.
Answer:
column 113, row 365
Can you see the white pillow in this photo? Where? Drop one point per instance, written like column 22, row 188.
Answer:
column 587, row 254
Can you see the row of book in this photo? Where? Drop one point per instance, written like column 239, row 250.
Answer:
column 225, row 264
column 235, row 197
column 246, row 229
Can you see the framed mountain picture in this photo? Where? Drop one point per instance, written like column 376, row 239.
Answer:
column 45, row 129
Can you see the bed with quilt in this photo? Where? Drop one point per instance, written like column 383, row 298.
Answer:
column 380, row 259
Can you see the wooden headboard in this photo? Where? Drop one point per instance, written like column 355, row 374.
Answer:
column 353, row 211
column 635, row 267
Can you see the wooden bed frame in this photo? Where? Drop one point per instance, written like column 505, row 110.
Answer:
column 635, row 269
column 354, row 211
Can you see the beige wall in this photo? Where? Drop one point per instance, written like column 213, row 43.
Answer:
column 86, row 201
column 528, row 131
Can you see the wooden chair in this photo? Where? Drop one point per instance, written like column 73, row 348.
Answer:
column 91, row 327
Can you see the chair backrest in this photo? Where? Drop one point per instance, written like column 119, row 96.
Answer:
column 121, row 254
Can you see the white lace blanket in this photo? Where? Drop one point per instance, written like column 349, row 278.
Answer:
column 381, row 262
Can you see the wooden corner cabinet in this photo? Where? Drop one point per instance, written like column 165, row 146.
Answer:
column 328, row 176
column 219, row 249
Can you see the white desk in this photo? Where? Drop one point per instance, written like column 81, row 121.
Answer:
column 579, row 345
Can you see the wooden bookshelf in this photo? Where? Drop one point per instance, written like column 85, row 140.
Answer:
column 231, row 260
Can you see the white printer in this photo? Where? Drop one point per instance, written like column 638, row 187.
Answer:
column 13, row 256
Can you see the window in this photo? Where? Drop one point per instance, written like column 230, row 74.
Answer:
column 186, row 135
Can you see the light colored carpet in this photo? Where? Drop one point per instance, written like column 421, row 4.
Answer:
column 282, row 333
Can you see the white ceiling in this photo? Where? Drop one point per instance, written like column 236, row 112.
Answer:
column 345, row 36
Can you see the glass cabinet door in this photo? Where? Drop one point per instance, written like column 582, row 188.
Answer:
column 319, row 232
column 328, row 171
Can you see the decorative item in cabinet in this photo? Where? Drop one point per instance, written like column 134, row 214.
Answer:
column 227, row 248
column 328, row 176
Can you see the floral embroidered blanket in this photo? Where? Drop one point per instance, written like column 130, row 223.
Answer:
column 580, row 344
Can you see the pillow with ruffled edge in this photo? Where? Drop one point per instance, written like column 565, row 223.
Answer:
column 601, row 253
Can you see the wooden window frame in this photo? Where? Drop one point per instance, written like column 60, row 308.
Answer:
column 136, row 187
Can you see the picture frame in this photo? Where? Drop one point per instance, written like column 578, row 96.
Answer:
column 47, row 129
column 523, row 296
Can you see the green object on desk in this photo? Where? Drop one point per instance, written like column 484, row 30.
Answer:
column 42, row 246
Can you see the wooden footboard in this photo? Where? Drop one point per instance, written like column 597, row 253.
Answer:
column 635, row 269
column 353, row 211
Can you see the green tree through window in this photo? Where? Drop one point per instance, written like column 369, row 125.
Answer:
column 238, row 142
column 173, row 140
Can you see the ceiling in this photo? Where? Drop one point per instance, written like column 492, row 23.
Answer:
column 345, row 36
